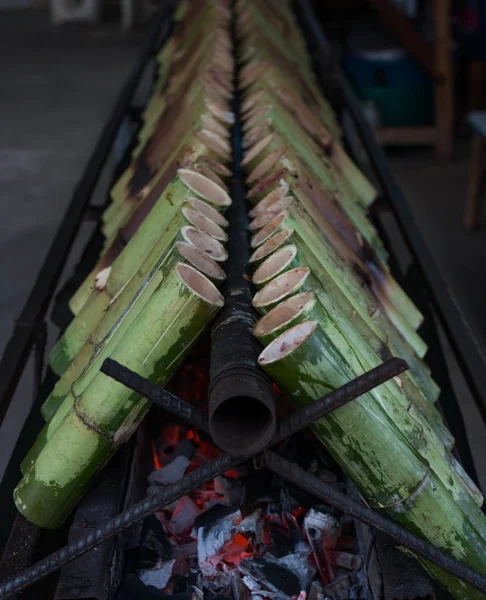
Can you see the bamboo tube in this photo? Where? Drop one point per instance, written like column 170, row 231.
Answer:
column 120, row 314
column 391, row 396
column 373, row 451
column 107, row 413
column 305, row 306
column 73, row 339
column 299, row 220
column 142, row 233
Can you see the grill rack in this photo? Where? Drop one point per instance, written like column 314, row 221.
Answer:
column 30, row 328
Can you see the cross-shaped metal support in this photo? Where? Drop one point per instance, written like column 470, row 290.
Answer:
column 272, row 461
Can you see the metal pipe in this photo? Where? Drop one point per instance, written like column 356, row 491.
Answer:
column 241, row 398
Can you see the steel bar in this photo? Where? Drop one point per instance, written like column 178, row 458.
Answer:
column 139, row 511
column 241, row 398
column 350, row 391
column 296, row 422
column 155, row 393
column 18, row 347
column 462, row 339
column 293, row 473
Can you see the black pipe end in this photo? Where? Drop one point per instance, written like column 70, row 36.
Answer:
column 242, row 417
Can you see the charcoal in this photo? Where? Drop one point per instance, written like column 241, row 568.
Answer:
column 345, row 560
column 155, row 545
column 212, row 539
column 183, row 516
column 239, row 589
column 324, row 525
column 339, row 589
column 170, row 473
column 185, row 448
column 271, row 575
column 158, row 577
column 230, row 489
column 134, row 589
column 298, row 564
column 253, row 527
column 215, row 514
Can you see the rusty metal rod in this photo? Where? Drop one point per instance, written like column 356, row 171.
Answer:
column 293, row 473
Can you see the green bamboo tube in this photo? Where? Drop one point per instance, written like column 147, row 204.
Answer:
column 81, row 327
column 268, row 226
column 297, row 218
column 270, row 245
column 282, row 260
column 358, row 190
column 423, row 434
column 191, row 146
column 372, row 449
column 305, row 306
column 330, row 277
column 286, row 134
column 154, row 346
column 395, row 294
column 120, row 314
column 144, row 230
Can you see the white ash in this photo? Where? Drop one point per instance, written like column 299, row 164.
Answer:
column 170, row 473
column 253, row 527
column 159, row 577
column 230, row 490
column 211, row 540
column 324, row 526
column 183, row 517
column 299, row 564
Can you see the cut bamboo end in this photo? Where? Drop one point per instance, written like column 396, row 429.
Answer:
column 214, row 142
column 269, row 199
column 215, row 166
column 205, row 243
column 252, row 136
column 275, row 209
column 204, row 224
column 255, row 150
column 219, row 111
column 101, row 279
column 274, row 265
column 211, row 124
column 204, row 187
column 256, row 117
column 267, row 182
column 284, row 314
column 199, row 284
column 287, row 342
column 270, row 228
column 270, row 245
column 266, row 164
column 203, row 170
column 201, row 261
column 207, row 210
column 280, row 287
column 252, row 101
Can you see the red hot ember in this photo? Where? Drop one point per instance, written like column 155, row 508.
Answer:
column 272, row 550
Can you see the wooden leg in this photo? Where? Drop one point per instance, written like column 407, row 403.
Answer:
column 472, row 201
column 444, row 89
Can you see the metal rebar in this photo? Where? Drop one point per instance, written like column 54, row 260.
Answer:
column 293, row 473
column 111, row 527
column 158, row 395
column 349, row 391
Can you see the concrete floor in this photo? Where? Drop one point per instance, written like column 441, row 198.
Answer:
column 58, row 87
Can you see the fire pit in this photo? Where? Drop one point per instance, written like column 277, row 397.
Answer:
column 223, row 492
